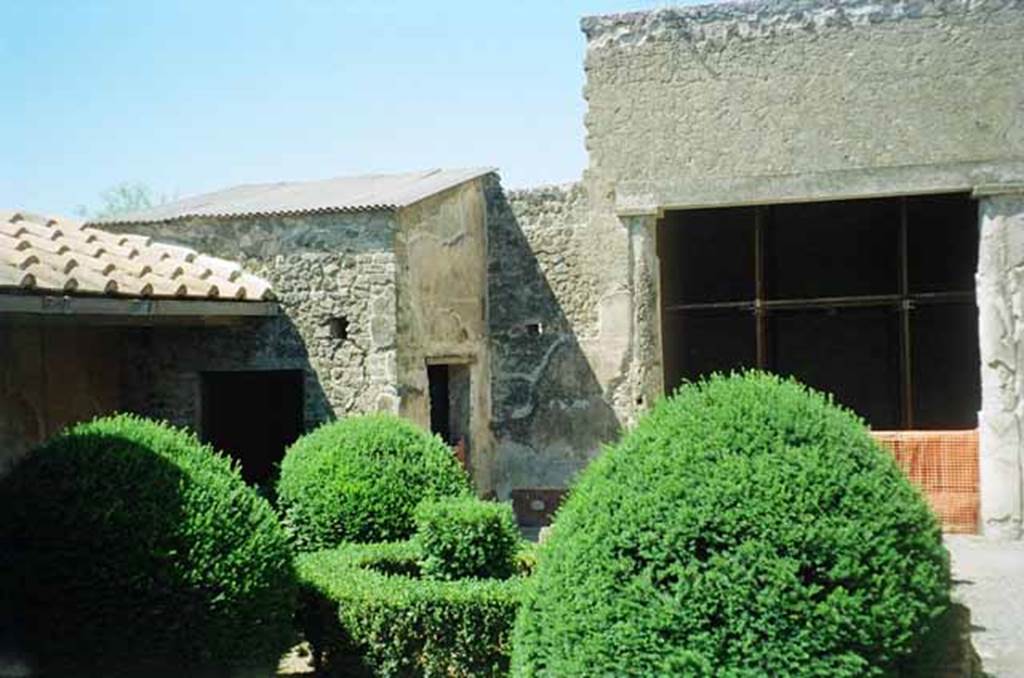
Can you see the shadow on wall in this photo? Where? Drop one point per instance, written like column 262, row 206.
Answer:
column 163, row 379
column 550, row 414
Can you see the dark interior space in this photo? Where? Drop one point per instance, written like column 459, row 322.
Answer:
column 852, row 353
column 450, row 404
column 253, row 416
column 871, row 300
column 440, row 403
column 709, row 341
column 832, row 249
column 945, row 375
column 942, row 235
column 696, row 271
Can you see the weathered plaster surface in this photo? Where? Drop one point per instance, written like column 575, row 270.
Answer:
column 441, row 247
column 797, row 100
column 793, row 100
column 1001, row 326
column 321, row 267
column 52, row 376
column 560, row 322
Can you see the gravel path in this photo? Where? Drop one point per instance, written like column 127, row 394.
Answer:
column 989, row 581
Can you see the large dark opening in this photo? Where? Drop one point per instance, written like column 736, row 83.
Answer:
column 449, row 387
column 253, row 416
column 870, row 300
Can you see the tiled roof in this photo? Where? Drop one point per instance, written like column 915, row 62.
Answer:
column 59, row 255
column 366, row 193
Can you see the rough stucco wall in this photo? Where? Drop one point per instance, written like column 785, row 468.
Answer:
column 778, row 101
column 555, row 390
column 441, row 248
column 1001, row 303
column 791, row 100
column 321, row 267
column 52, row 376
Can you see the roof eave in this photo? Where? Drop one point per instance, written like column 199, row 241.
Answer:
column 128, row 220
column 66, row 305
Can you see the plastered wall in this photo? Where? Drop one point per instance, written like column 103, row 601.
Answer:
column 441, row 247
column 52, row 376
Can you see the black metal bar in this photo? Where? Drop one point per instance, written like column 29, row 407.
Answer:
column 940, row 298
column 831, row 302
column 712, row 306
column 835, row 302
column 760, row 322
column 906, row 373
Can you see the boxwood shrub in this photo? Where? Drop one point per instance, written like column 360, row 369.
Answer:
column 466, row 537
column 127, row 547
column 360, row 478
column 746, row 526
column 367, row 612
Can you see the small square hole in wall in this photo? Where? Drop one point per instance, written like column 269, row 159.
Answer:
column 339, row 328
column 533, row 329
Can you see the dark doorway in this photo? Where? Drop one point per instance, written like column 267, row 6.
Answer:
column 449, row 386
column 871, row 300
column 253, row 416
column 440, row 409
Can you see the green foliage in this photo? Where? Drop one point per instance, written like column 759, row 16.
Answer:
column 466, row 537
column 746, row 527
column 360, row 478
column 127, row 545
column 526, row 558
column 123, row 199
column 363, row 615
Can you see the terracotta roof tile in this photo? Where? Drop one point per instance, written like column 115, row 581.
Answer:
column 44, row 254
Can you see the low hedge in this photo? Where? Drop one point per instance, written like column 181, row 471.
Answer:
column 367, row 612
column 127, row 548
column 746, row 526
column 466, row 537
column 359, row 479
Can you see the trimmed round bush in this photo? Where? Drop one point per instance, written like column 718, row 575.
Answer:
column 127, row 547
column 467, row 537
column 359, row 479
column 746, row 526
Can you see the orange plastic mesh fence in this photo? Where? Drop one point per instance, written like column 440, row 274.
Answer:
column 944, row 464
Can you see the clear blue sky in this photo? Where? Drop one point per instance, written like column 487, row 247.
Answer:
column 187, row 96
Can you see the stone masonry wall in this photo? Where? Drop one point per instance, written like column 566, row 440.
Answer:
column 559, row 355
column 322, row 267
column 795, row 100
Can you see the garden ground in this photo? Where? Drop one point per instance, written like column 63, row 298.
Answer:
column 989, row 581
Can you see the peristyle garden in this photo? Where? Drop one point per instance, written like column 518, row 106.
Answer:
column 745, row 526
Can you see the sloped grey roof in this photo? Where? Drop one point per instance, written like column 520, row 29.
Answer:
column 61, row 255
column 365, row 193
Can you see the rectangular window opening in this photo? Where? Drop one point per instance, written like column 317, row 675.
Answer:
column 871, row 300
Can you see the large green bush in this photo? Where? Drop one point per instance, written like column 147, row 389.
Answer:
column 126, row 547
column 360, row 478
column 747, row 526
column 367, row 611
column 466, row 537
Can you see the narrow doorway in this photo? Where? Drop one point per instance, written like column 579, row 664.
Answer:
column 449, row 388
column 253, row 416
